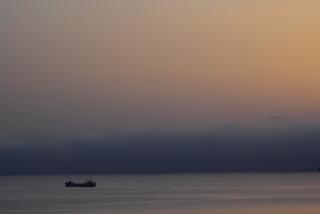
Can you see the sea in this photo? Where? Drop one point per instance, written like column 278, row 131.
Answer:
column 216, row 193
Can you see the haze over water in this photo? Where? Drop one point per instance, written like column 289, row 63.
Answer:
column 242, row 193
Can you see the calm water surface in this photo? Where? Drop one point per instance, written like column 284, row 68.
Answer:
column 179, row 194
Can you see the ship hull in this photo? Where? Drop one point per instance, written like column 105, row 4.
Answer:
column 72, row 184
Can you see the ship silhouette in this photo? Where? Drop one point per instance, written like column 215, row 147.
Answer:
column 88, row 183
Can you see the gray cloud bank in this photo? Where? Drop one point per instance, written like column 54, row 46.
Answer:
column 294, row 149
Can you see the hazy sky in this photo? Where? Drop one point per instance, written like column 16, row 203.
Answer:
column 81, row 69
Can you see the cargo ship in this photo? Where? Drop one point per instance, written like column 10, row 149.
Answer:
column 88, row 183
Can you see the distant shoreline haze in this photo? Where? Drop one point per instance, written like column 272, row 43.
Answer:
column 294, row 150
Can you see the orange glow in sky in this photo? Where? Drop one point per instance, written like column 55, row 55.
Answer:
column 140, row 65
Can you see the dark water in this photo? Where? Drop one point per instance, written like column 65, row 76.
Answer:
column 184, row 193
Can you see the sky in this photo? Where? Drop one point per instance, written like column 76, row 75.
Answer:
column 164, row 82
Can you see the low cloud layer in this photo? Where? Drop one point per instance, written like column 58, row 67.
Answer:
column 295, row 149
